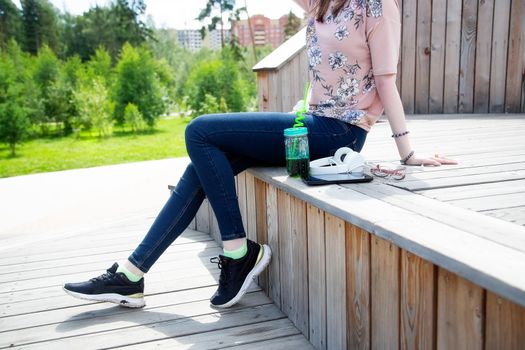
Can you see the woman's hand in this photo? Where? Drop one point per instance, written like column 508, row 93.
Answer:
column 436, row 160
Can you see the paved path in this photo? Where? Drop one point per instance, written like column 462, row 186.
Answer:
column 57, row 204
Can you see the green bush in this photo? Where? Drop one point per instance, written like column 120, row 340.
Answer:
column 95, row 109
column 137, row 82
column 134, row 118
column 218, row 78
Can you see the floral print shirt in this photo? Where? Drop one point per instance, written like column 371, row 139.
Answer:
column 345, row 52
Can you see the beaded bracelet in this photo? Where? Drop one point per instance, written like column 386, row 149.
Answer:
column 404, row 160
column 400, row 134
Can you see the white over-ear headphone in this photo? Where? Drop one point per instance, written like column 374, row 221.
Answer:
column 345, row 160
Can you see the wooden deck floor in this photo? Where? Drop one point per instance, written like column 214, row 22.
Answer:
column 490, row 176
column 36, row 313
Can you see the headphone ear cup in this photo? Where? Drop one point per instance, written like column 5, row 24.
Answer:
column 343, row 151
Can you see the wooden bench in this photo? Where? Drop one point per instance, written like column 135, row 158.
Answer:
column 393, row 264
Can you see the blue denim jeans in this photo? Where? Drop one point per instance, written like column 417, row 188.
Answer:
column 222, row 145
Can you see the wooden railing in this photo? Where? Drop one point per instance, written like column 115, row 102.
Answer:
column 456, row 57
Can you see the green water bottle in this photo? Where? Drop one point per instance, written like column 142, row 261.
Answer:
column 297, row 152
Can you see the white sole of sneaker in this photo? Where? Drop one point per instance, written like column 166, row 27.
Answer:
column 121, row 300
column 257, row 269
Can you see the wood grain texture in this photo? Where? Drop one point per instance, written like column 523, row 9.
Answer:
column 498, row 71
column 384, row 294
column 437, row 58
column 515, row 63
column 460, row 314
column 316, row 276
column 272, row 222
column 285, row 251
column 423, row 51
column 483, row 56
column 251, row 211
column 214, row 227
column 336, row 328
column 241, row 195
column 299, row 267
column 263, row 91
column 505, row 324
column 452, row 55
column 467, row 61
column 408, row 52
column 261, row 225
column 202, row 218
column 417, row 302
column 357, row 287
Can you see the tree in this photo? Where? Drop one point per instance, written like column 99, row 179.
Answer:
column 46, row 72
column 224, row 7
column 40, row 23
column 292, row 26
column 219, row 78
column 134, row 118
column 109, row 27
column 14, row 116
column 95, row 108
column 10, row 23
column 137, row 82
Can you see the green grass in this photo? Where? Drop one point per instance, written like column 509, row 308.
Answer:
column 61, row 153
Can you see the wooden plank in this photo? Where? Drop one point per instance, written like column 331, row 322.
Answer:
column 299, row 267
column 417, row 307
column 515, row 64
column 440, row 244
column 316, row 276
column 97, row 266
column 505, row 324
column 93, row 311
column 285, row 250
column 261, row 225
column 193, row 224
column 274, row 92
column 452, row 55
column 202, row 218
column 468, row 56
column 384, row 294
column 399, row 74
column 514, row 215
column 274, row 277
column 357, row 287
column 263, row 86
column 236, row 336
column 461, row 180
column 483, row 56
column 408, row 79
column 437, row 59
column 499, row 232
column 508, row 200
column 151, row 326
column 460, row 313
column 498, row 71
column 336, row 328
column 251, row 211
column 423, row 42
column 293, row 342
column 215, row 232
column 241, row 194
column 473, row 191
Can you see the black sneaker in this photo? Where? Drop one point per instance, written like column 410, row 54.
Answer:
column 237, row 274
column 111, row 286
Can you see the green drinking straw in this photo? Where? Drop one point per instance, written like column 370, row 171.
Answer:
column 300, row 113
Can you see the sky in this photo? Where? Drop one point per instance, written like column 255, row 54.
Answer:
column 180, row 14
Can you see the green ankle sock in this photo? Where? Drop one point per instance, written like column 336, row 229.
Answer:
column 130, row 275
column 237, row 253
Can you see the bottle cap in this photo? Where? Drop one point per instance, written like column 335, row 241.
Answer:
column 302, row 131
